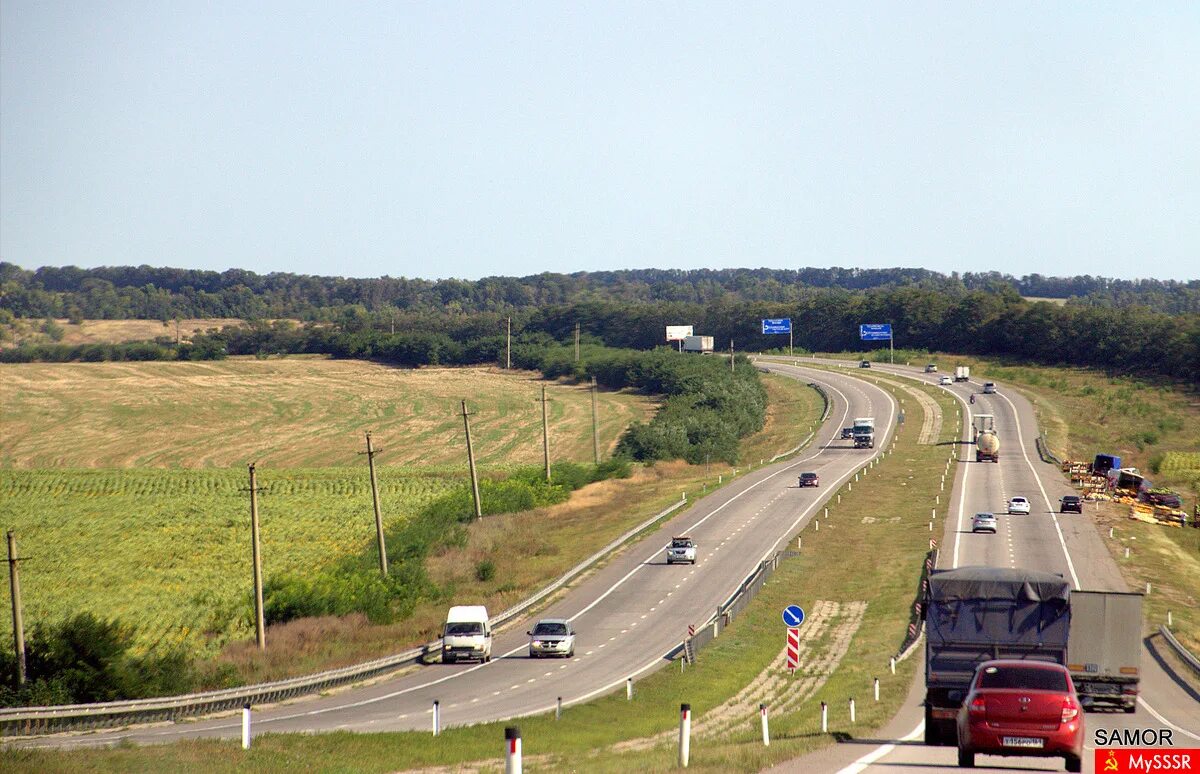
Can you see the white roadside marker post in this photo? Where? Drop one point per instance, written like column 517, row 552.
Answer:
column 629, row 689
column 437, row 717
column 558, row 709
column 893, row 664
column 762, row 710
column 512, row 750
column 852, row 720
column 246, row 726
column 876, row 689
column 824, row 718
column 685, row 734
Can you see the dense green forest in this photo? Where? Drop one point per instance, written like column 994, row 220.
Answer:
column 145, row 292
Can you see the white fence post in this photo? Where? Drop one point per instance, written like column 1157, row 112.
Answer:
column 685, row 734
column 512, row 750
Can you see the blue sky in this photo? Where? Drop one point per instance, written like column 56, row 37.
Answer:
column 467, row 140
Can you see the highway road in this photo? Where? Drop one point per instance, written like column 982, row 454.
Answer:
column 1044, row 540
column 628, row 614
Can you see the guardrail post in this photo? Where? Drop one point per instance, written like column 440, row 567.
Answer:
column 685, row 734
column 245, row 726
column 762, row 710
column 437, row 717
column 512, row 750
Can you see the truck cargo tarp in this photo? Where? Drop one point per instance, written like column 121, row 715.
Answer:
column 998, row 583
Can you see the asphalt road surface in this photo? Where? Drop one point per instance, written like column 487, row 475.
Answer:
column 628, row 614
column 1044, row 540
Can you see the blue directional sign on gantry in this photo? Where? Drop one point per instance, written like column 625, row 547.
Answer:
column 875, row 331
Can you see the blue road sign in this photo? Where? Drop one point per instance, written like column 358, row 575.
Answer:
column 777, row 325
column 875, row 331
column 793, row 615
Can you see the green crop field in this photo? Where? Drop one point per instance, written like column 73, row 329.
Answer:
column 290, row 412
column 168, row 550
column 126, row 482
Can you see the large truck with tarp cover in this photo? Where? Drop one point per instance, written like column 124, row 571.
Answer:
column 975, row 614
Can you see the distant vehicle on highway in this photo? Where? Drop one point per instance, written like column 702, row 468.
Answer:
column 552, row 637
column 984, row 522
column 467, row 635
column 989, row 388
column 847, row 432
column 1018, row 505
column 931, row 368
column 1026, row 708
column 864, row 364
column 810, row 479
column 945, row 379
column 682, row 550
column 1070, row 504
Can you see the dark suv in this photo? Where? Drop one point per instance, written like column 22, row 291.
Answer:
column 1070, row 504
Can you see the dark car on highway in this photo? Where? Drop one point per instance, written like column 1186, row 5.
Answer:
column 810, row 479
column 1070, row 504
column 864, row 364
column 1021, row 708
column 847, row 432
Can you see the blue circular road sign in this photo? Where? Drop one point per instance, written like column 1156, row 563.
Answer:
column 793, row 615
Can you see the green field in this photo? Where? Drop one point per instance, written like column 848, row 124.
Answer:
column 295, row 412
column 168, row 550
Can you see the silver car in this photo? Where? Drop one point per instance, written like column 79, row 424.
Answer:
column 552, row 637
column 1018, row 505
column 984, row 522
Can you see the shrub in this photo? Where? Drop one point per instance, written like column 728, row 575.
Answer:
column 485, row 570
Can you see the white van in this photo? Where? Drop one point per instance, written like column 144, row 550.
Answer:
column 467, row 635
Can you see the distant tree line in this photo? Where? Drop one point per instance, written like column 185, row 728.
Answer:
column 145, row 292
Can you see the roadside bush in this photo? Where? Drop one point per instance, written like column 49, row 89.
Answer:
column 87, row 659
column 485, row 570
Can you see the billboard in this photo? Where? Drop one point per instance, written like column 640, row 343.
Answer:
column 875, row 331
column 678, row 332
column 777, row 325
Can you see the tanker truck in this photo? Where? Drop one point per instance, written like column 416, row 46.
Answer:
column 987, row 443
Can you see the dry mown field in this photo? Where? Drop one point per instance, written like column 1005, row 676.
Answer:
column 291, row 412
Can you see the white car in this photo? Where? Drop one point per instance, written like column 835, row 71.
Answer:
column 681, row 550
column 1018, row 505
column 984, row 522
column 989, row 388
column 552, row 637
column 944, row 380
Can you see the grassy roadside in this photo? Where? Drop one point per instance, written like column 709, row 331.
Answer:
column 884, row 517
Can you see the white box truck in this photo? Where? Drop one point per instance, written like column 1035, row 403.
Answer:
column 467, row 635
column 701, row 344
column 1105, row 648
column 962, row 373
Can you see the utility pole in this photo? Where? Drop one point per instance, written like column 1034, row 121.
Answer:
column 595, row 427
column 14, row 585
column 731, row 356
column 371, row 452
column 545, row 434
column 790, row 352
column 508, row 353
column 260, row 629
column 576, row 342
column 471, row 461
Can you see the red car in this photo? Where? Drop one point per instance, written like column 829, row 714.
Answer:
column 1026, row 708
column 809, row 479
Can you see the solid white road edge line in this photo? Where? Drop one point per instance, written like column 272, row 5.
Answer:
column 881, row 751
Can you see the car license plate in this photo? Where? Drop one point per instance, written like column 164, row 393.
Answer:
column 1023, row 741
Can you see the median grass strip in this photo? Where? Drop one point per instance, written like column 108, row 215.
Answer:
column 850, row 561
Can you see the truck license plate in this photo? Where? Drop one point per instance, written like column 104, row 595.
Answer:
column 1023, row 741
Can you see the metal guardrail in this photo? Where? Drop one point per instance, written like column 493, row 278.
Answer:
column 1185, row 654
column 25, row 721
column 1044, row 452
